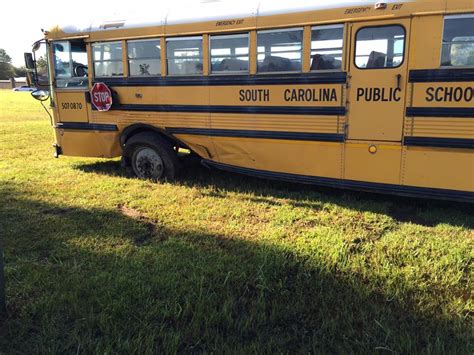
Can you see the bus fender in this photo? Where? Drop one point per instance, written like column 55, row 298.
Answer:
column 134, row 129
column 141, row 127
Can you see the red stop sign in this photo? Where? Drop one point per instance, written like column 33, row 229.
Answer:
column 101, row 97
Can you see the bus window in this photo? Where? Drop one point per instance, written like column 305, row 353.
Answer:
column 380, row 47
column 108, row 59
column 458, row 41
column 144, row 57
column 230, row 53
column 70, row 64
column 326, row 47
column 184, row 55
column 280, row 50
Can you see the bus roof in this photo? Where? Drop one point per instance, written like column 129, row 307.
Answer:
column 253, row 11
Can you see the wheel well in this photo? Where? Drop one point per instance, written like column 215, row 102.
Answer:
column 135, row 129
column 130, row 131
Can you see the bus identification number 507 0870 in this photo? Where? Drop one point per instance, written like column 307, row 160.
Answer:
column 71, row 106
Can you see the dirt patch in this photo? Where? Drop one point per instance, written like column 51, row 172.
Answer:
column 130, row 212
column 152, row 230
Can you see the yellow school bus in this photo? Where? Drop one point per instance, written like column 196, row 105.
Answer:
column 364, row 95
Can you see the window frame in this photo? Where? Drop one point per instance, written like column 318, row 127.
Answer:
column 70, row 65
column 382, row 26
column 452, row 17
column 280, row 30
column 107, row 60
column 230, row 35
column 185, row 38
column 148, row 58
column 54, row 76
column 343, row 48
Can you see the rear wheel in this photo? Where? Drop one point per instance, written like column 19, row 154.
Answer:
column 151, row 157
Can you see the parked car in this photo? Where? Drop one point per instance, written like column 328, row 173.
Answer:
column 24, row 88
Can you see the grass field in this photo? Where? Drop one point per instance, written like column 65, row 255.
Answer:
column 97, row 261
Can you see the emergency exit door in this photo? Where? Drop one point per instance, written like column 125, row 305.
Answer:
column 378, row 80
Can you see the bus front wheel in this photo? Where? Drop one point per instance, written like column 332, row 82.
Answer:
column 151, row 157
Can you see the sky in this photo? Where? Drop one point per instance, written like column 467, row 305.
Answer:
column 22, row 28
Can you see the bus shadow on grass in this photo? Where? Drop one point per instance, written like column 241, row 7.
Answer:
column 428, row 213
column 97, row 280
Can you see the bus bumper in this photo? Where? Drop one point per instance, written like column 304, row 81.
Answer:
column 88, row 142
column 57, row 150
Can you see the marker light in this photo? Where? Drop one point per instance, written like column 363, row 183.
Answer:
column 380, row 6
column 373, row 149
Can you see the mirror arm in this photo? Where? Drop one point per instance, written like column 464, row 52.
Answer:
column 41, row 100
column 35, row 75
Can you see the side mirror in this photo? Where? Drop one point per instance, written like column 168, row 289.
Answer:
column 36, row 46
column 40, row 95
column 29, row 61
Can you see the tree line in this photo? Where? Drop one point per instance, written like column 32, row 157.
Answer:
column 8, row 70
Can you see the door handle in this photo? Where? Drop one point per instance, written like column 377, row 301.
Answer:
column 399, row 81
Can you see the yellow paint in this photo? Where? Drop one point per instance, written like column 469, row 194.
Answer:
column 443, row 94
column 282, row 156
column 253, row 53
column 440, row 127
column 427, row 35
column 278, row 95
column 72, row 106
column 439, row 168
column 98, row 144
column 306, row 64
column 206, row 55
column 126, row 68
column 381, row 167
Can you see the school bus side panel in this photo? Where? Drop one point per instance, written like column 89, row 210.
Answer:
column 297, row 154
column 82, row 143
column 438, row 126
column 159, row 106
column 459, row 5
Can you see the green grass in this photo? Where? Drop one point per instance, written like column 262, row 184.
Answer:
column 97, row 261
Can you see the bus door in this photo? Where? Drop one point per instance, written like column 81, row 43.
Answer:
column 376, row 94
column 378, row 80
column 70, row 82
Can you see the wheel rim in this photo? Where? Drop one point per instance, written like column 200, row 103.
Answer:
column 148, row 164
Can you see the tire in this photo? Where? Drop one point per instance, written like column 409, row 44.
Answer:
column 151, row 157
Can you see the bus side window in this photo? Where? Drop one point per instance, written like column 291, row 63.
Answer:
column 107, row 59
column 380, row 47
column 458, row 41
column 184, row 55
column 144, row 57
column 326, row 47
column 279, row 50
column 230, row 53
